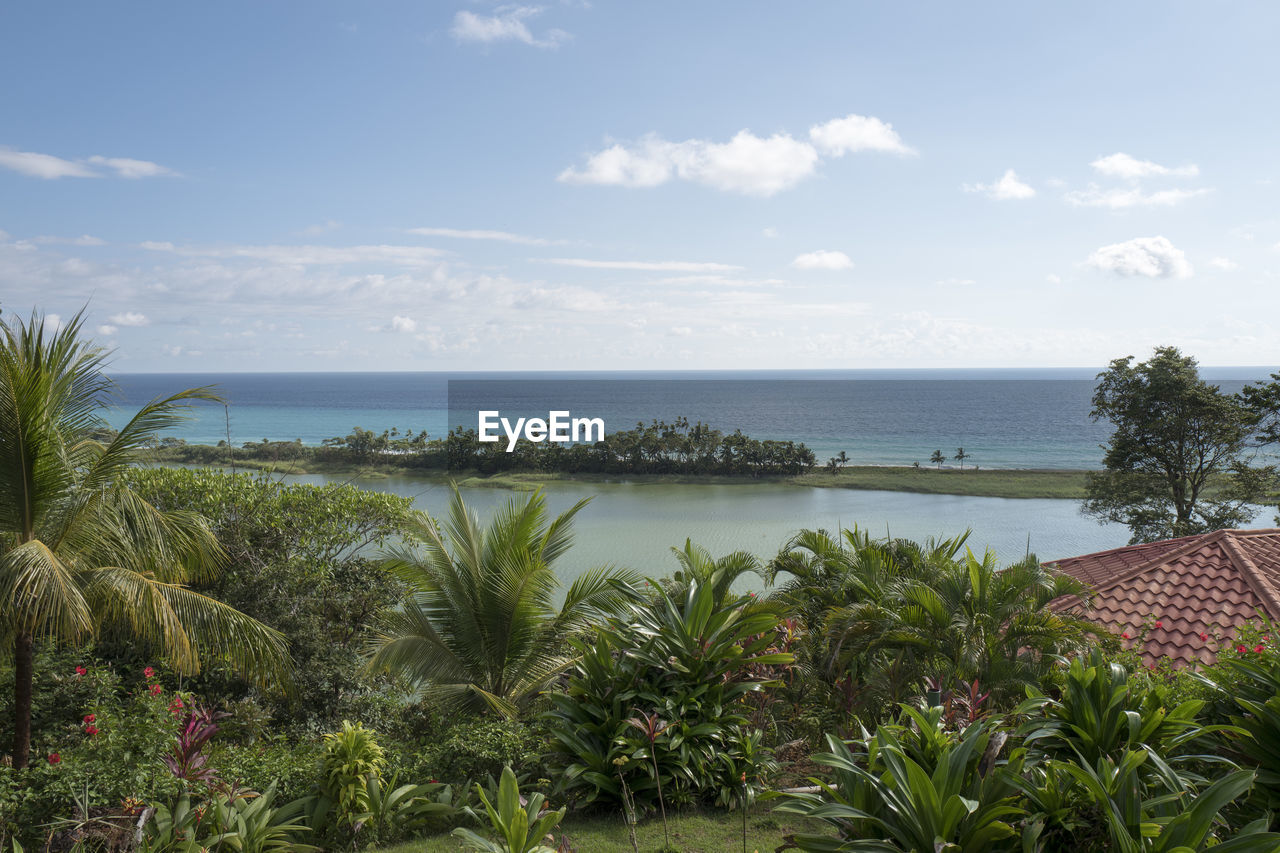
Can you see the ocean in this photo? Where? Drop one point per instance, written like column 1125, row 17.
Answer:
column 1002, row 418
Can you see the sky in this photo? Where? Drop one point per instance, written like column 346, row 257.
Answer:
column 621, row 185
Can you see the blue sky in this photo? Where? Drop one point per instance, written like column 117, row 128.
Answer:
column 471, row 185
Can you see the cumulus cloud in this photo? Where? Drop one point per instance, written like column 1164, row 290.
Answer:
column 107, row 329
column 507, row 24
column 403, row 324
column 1120, row 165
column 129, row 318
column 1149, row 257
column 1118, row 199
column 769, row 232
column 747, row 163
column 823, row 260
column 643, row 266
column 1006, row 189
column 82, row 240
column 480, row 234
column 49, row 167
column 854, row 133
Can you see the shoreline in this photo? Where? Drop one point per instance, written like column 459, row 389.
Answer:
column 1014, row 483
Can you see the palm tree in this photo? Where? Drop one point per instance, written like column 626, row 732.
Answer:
column 480, row 627
column 697, row 566
column 961, row 456
column 937, row 459
column 80, row 552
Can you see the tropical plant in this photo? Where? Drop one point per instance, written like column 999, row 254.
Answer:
column 931, row 791
column 80, row 552
column 520, row 829
column 243, row 821
column 396, row 810
column 352, row 757
column 937, row 459
column 480, row 628
column 697, row 564
column 961, row 456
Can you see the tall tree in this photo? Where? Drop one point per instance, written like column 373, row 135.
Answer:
column 961, row 456
column 480, row 627
column 80, row 551
column 937, row 459
column 1180, row 460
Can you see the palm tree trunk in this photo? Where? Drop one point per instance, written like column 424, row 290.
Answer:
column 23, row 676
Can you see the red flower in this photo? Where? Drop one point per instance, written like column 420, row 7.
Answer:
column 1125, row 635
column 175, row 707
column 156, row 690
column 1241, row 649
column 148, row 673
column 54, row 758
column 91, row 730
column 79, row 671
column 1204, row 637
column 1159, row 623
column 1259, row 648
column 89, row 718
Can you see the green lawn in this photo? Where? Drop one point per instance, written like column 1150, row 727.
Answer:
column 711, row 832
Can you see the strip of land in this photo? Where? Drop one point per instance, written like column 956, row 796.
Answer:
column 983, row 482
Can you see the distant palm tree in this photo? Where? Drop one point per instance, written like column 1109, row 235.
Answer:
column 843, row 458
column 81, row 552
column 480, row 628
column 937, row 459
column 961, row 456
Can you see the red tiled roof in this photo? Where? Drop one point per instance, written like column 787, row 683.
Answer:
column 1209, row 584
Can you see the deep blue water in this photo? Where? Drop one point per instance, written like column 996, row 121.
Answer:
column 1003, row 418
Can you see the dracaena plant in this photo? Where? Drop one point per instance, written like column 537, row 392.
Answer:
column 189, row 760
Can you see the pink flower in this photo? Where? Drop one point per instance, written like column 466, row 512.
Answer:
column 1258, row 649
column 156, row 689
column 148, row 673
column 1204, row 637
column 89, row 718
column 1125, row 635
column 54, row 758
column 79, row 671
column 1159, row 623
column 91, row 730
column 1241, row 649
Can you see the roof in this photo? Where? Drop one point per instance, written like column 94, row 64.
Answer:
column 1196, row 586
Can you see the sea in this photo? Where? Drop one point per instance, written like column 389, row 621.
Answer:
column 1002, row 419
column 1006, row 418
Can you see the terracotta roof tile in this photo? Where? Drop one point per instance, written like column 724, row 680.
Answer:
column 1209, row 584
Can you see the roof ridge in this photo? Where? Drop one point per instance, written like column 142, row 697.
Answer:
column 1128, row 548
column 1195, row 542
column 1252, row 574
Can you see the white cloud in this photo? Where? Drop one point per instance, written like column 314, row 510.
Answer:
column 1223, row 264
column 106, row 329
column 956, row 282
column 126, row 167
column 129, row 318
column 1053, row 278
column 823, row 260
column 855, row 133
column 507, row 25
column 53, row 322
column 479, row 234
column 82, row 240
column 1006, row 189
column 43, row 165
column 769, row 232
column 1122, row 165
column 1118, row 199
column 403, row 324
column 322, row 227
column 747, row 163
column 644, row 266
column 309, row 255
column 49, row 167
column 1150, row 257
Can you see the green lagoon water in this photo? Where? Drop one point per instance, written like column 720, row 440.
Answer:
column 635, row 525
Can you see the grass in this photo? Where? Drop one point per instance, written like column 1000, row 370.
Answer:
column 696, row 832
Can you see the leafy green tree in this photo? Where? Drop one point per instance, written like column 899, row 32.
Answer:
column 479, row 627
column 1180, row 460
column 961, row 456
column 937, row 459
column 81, row 553
column 302, row 559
